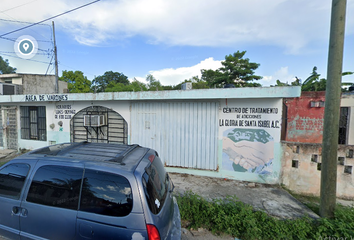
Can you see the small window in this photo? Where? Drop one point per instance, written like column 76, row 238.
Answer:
column 319, row 165
column 155, row 181
column 33, row 123
column 295, row 164
column 296, row 149
column 341, row 160
column 350, row 153
column 317, row 103
column 12, row 178
column 314, row 158
column 348, row 169
column 56, row 186
column 106, row 194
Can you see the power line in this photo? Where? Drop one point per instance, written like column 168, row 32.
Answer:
column 15, row 21
column 14, row 40
column 17, row 6
column 21, row 22
column 45, row 53
column 50, row 63
column 39, row 49
column 23, row 58
column 49, row 18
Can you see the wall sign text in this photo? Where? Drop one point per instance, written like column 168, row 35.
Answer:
column 46, row 97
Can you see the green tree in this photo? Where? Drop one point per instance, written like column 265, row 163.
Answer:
column 197, row 83
column 5, row 67
column 235, row 70
column 313, row 82
column 153, row 83
column 211, row 76
column 77, row 82
column 135, row 86
column 108, row 80
column 138, row 86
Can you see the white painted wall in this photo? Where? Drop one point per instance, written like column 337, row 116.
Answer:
column 63, row 111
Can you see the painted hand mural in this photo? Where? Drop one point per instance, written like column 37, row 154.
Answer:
column 249, row 150
column 248, row 154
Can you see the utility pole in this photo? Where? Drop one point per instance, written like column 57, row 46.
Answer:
column 55, row 61
column 332, row 110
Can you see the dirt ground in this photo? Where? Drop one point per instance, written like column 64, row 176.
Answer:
column 269, row 198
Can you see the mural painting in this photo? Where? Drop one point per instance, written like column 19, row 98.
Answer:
column 248, row 135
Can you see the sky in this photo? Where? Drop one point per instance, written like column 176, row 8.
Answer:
column 174, row 39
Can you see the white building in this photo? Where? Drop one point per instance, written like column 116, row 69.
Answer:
column 232, row 133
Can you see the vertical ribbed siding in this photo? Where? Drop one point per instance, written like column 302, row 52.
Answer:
column 183, row 133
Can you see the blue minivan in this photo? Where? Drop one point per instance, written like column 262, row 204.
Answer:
column 88, row 191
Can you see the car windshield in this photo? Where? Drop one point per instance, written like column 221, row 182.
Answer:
column 155, row 181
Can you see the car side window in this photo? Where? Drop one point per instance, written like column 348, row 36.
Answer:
column 57, row 186
column 12, row 178
column 155, row 182
column 106, row 194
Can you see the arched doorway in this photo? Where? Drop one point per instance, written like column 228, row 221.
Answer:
column 98, row 124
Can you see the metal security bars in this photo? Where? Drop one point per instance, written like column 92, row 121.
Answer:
column 343, row 125
column 33, row 123
column 111, row 127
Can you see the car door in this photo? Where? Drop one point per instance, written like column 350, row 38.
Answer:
column 110, row 207
column 49, row 208
column 12, row 181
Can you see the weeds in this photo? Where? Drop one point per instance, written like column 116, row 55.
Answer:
column 240, row 220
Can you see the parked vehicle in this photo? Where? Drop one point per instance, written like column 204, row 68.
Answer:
column 88, row 191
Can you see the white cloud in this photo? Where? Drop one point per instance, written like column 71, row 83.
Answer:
column 282, row 75
column 111, row 188
column 126, row 191
column 289, row 24
column 174, row 76
column 100, row 188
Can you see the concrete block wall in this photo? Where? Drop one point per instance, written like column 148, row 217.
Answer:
column 41, row 84
column 301, row 169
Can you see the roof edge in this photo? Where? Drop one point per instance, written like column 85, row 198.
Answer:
column 217, row 93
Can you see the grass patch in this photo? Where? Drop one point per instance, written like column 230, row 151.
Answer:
column 2, row 163
column 240, row 220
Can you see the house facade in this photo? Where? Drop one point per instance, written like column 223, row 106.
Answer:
column 19, row 83
column 302, row 148
column 232, row 133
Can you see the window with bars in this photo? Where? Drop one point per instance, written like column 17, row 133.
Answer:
column 33, row 123
column 343, row 125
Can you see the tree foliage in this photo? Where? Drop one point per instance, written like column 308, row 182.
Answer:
column 197, row 83
column 235, row 70
column 153, row 83
column 108, row 80
column 77, row 82
column 211, row 77
column 5, row 67
column 134, row 86
column 313, row 82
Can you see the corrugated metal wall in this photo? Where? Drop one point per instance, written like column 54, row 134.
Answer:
column 183, row 133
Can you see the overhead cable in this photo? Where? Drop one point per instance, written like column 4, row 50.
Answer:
column 17, row 6
column 49, row 18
